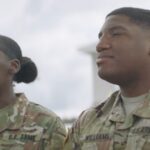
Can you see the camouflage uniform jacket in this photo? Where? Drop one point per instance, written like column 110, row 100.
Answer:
column 29, row 126
column 106, row 127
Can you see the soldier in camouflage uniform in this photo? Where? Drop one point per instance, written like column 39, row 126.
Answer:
column 122, row 122
column 24, row 125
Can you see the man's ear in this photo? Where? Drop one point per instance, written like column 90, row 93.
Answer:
column 148, row 51
column 148, row 43
column 14, row 66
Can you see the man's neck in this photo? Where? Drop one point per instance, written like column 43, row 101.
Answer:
column 135, row 90
column 137, row 85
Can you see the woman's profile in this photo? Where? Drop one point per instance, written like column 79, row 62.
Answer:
column 24, row 125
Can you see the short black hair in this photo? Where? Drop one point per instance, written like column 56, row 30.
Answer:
column 137, row 15
column 28, row 71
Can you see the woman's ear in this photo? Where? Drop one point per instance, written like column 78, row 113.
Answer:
column 14, row 66
column 148, row 51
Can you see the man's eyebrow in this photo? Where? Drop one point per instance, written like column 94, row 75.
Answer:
column 118, row 27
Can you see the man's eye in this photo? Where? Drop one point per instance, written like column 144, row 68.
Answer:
column 117, row 33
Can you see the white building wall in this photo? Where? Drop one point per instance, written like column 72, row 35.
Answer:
column 101, row 88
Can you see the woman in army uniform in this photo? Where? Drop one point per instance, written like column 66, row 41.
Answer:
column 23, row 125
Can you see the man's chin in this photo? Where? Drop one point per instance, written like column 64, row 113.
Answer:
column 109, row 77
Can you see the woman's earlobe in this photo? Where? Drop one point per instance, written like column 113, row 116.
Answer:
column 14, row 66
column 148, row 51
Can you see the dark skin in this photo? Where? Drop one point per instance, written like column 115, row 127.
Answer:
column 8, row 68
column 124, row 55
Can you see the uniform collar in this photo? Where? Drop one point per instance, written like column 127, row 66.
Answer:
column 12, row 116
column 117, row 113
column 111, row 101
column 143, row 111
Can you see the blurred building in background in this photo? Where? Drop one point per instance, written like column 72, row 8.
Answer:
column 101, row 88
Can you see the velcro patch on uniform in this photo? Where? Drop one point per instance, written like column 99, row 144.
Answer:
column 141, row 130
column 21, row 137
column 95, row 137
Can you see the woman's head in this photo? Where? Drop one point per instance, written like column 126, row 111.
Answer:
column 13, row 65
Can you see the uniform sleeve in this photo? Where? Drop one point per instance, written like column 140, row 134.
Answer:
column 74, row 138
column 58, row 136
column 72, row 141
column 52, row 130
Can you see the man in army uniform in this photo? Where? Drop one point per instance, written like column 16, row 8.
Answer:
column 24, row 125
column 122, row 122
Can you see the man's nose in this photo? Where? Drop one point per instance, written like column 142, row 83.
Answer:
column 103, row 44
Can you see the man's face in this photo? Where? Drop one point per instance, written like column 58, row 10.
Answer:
column 122, row 50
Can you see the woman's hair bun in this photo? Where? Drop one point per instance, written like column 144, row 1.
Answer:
column 28, row 71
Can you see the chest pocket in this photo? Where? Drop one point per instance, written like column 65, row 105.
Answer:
column 17, row 145
column 139, row 139
column 120, row 140
column 90, row 146
column 97, row 142
column 9, row 145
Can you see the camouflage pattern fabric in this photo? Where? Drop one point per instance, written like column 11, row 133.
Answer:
column 106, row 127
column 29, row 126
